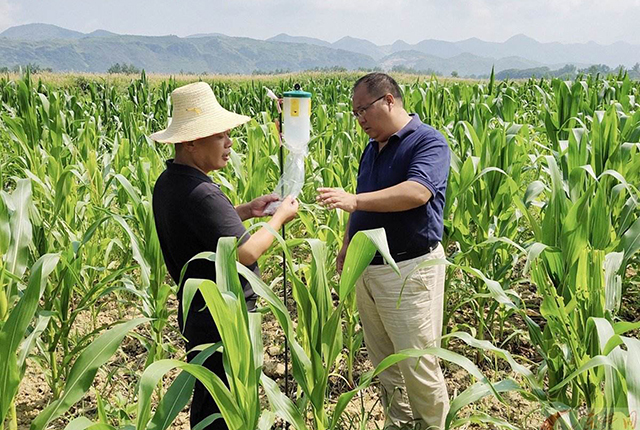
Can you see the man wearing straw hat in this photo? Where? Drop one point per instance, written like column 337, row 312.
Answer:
column 192, row 213
column 402, row 181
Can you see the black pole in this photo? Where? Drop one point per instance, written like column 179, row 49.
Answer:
column 284, row 266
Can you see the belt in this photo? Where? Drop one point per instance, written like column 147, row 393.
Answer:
column 405, row 255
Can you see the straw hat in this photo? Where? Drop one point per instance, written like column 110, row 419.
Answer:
column 197, row 114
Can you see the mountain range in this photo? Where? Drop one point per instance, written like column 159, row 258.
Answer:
column 517, row 46
column 68, row 50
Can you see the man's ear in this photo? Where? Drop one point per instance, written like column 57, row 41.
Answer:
column 189, row 146
column 390, row 100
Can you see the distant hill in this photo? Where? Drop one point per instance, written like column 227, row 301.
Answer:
column 207, row 35
column 440, row 48
column 361, row 46
column 347, row 43
column 40, row 32
column 550, row 53
column 465, row 64
column 60, row 49
column 401, row 45
column 522, row 46
column 101, row 33
column 517, row 46
column 285, row 38
column 171, row 54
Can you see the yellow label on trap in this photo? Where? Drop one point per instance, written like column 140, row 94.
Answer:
column 295, row 107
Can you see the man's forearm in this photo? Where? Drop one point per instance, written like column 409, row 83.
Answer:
column 402, row 197
column 345, row 240
column 258, row 243
column 244, row 211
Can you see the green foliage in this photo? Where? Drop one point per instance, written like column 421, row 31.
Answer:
column 124, row 68
column 542, row 225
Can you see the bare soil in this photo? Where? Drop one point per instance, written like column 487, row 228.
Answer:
column 116, row 381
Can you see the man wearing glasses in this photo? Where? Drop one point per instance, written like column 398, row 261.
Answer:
column 402, row 182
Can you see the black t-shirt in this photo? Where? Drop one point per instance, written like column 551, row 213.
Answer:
column 191, row 213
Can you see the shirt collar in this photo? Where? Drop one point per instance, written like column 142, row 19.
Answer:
column 183, row 169
column 405, row 131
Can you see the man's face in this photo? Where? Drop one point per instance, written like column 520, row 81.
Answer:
column 376, row 117
column 212, row 153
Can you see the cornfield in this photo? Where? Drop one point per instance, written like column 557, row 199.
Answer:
column 542, row 229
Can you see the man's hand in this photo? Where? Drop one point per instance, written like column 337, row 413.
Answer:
column 259, row 204
column 260, row 241
column 287, row 210
column 333, row 198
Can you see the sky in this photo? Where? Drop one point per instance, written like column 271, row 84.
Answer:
column 380, row 21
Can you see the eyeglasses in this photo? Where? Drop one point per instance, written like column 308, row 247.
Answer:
column 363, row 110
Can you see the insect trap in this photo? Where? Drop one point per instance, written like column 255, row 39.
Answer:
column 296, row 132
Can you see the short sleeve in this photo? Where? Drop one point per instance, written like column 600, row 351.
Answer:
column 429, row 165
column 212, row 217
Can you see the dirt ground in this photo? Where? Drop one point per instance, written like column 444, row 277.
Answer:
column 116, row 381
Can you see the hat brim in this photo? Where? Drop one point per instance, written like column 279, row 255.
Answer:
column 204, row 127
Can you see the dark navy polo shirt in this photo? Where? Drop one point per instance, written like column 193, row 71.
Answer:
column 417, row 153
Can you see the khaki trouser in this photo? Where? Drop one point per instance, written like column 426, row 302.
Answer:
column 409, row 392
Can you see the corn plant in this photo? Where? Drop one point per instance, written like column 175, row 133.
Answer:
column 314, row 346
column 543, row 196
column 16, row 339
column 15, row 224
column 84, row 370
column 242, row 353
column 484, row 208
column 577, row 269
